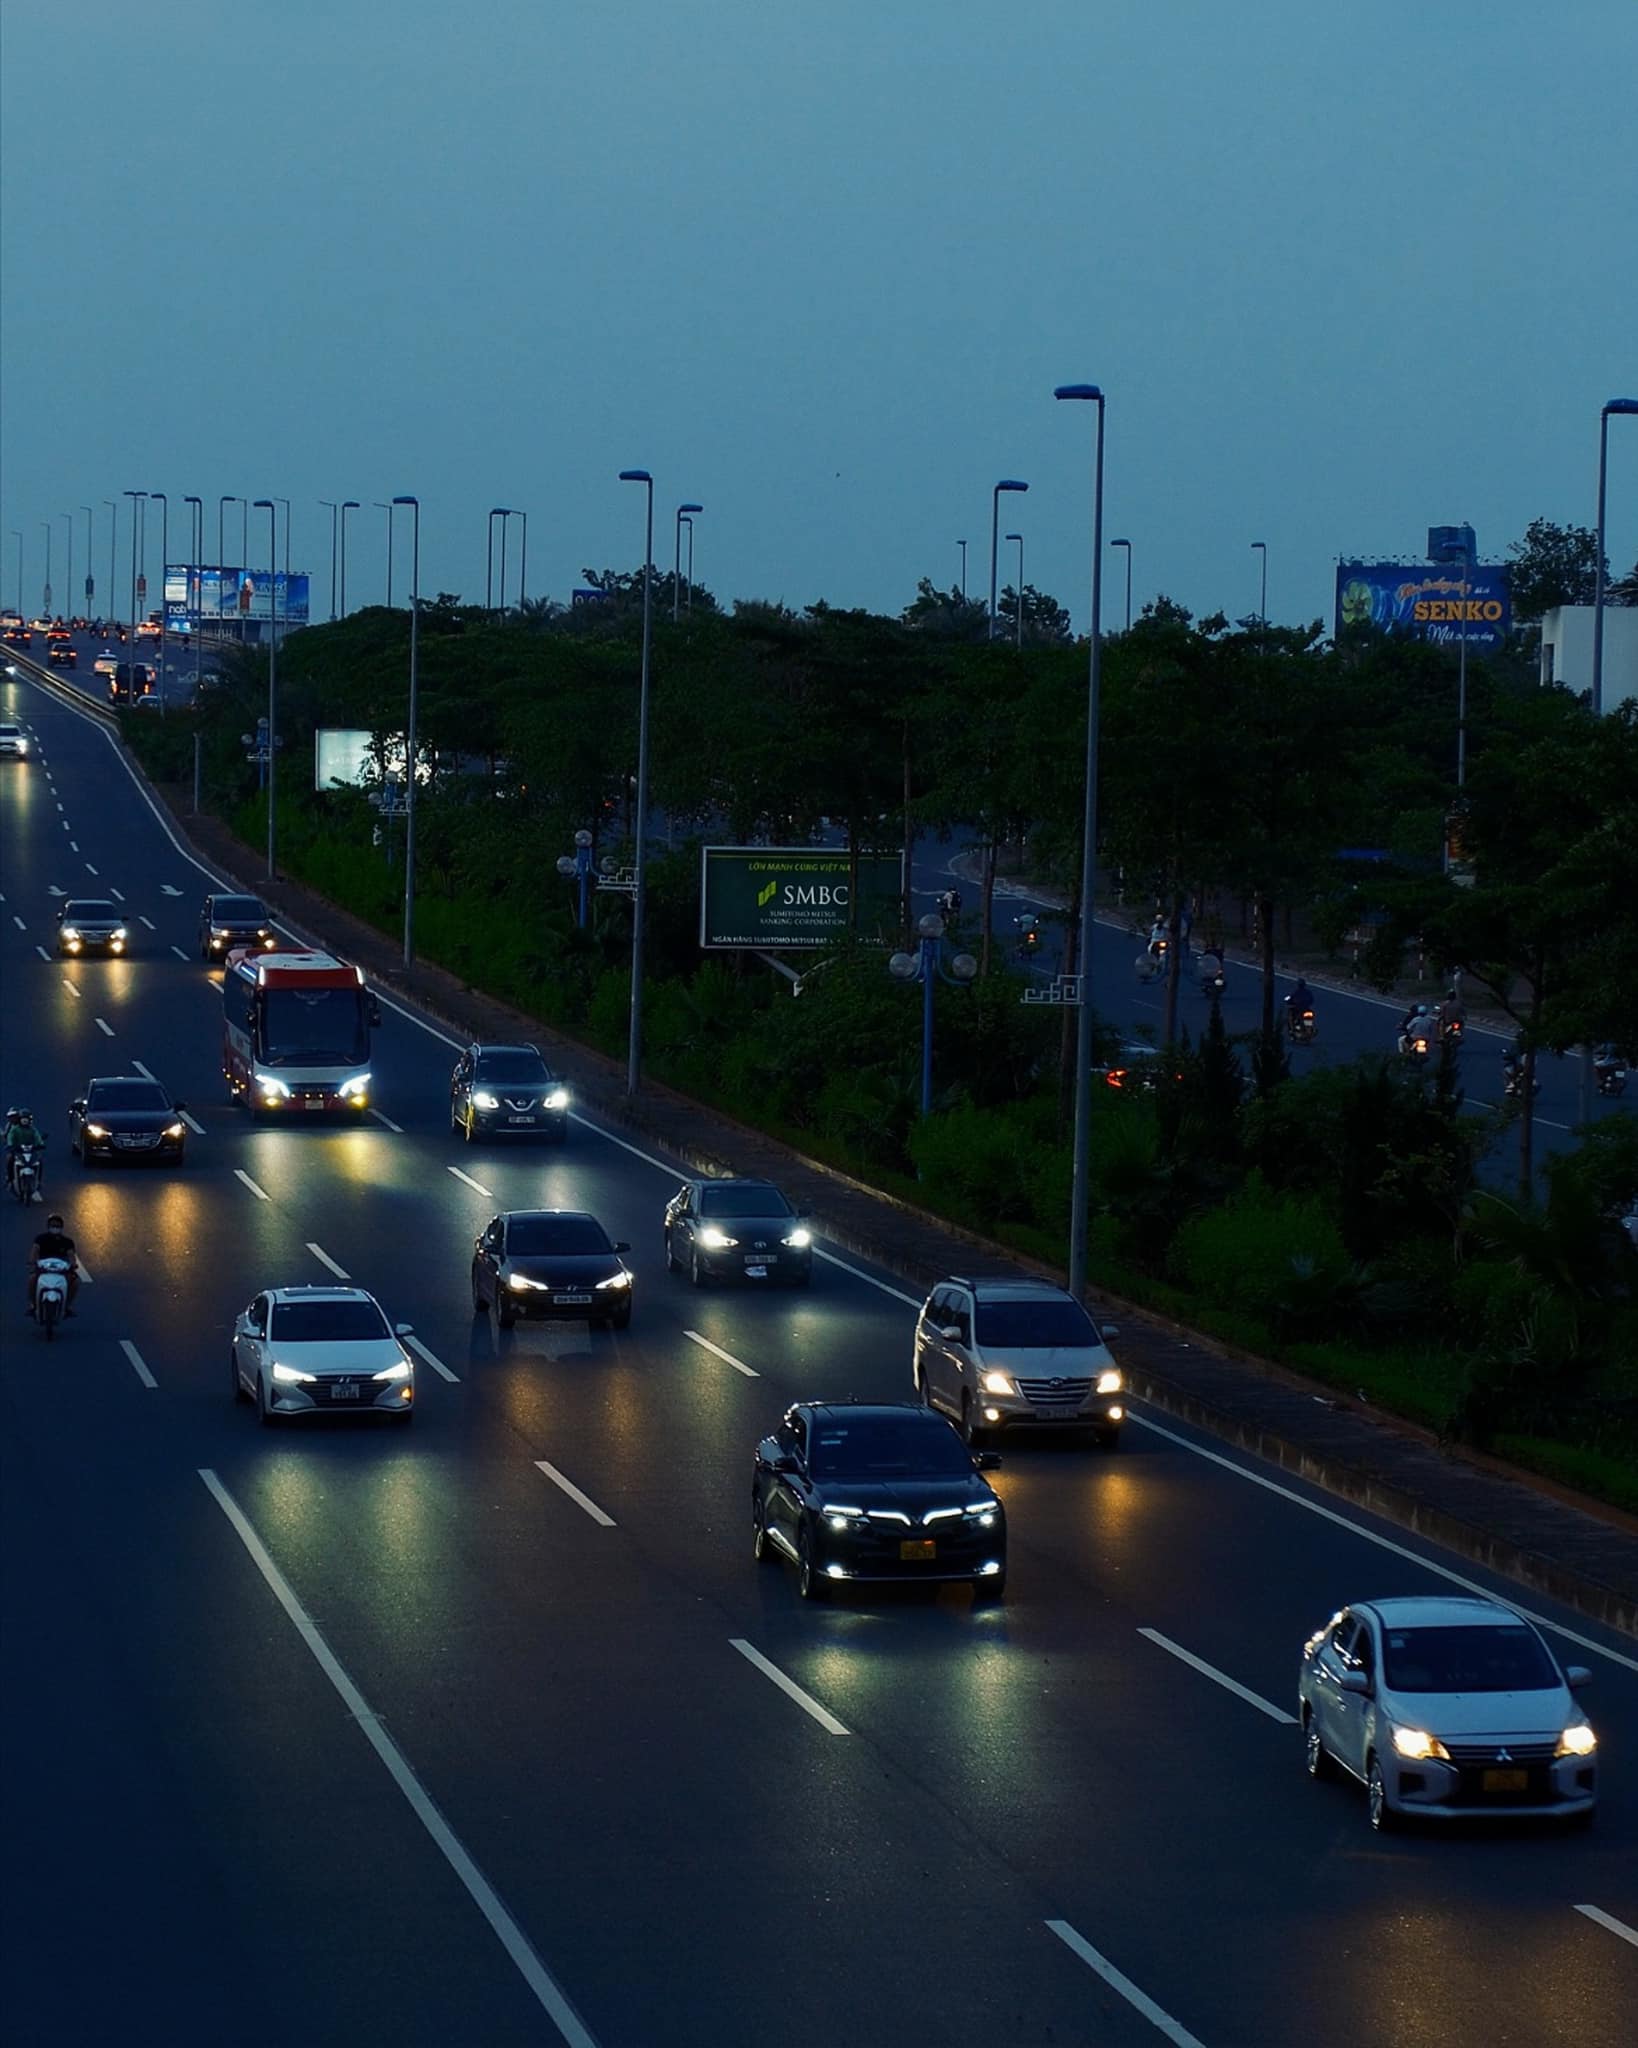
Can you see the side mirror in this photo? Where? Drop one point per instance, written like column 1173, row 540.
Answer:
column 620, row 1245
column 1108, row 1330
column 402, row 1329
column 950, row 1333
column 77, row 1106
column 1576, row 1676
column 1355, row 1681
column 988, row 1461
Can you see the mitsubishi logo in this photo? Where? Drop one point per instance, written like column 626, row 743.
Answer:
column 1504, row 1756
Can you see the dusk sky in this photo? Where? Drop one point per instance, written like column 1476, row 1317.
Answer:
column 1343, row 272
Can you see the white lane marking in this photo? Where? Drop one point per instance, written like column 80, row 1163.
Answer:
column 727, row 1357
column 240, row 1174
column 1140, row 2001
column 52, row 891
column 805, row 1700
column 44, row 955
column 191, row 1123
column 552, row 1999
column 115, row 893
column 90, row 870
column 431, row 1358
column 105, row 1027
column 476, row 1185
column 584, row 1500
column 59, row 807
column 137, row 1366
column 325, row 1259
column 1443, row 1571
column 165, row 888
column 147, row 1073
column 387, row 1120
column 432, row 1031
column 177, row 950
column 148, row 921
column 16, row 920
column 636, row 1151
column 85, row 1276
column 859, row 1273
column 72, row 988
column 1609, row 1921
column 1233, row 1685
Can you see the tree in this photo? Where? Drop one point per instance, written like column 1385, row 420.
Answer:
column 1553, row 565
column 1046, row 623
column 946, row 614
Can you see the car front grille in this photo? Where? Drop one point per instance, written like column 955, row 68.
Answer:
column 1494, row 1755
column 519, row 1105
column 1055, row 1393
column 1537, row 1789
column 332, row 1392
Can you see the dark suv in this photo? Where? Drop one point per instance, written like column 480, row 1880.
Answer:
column 507, row 1091
column 229, row 921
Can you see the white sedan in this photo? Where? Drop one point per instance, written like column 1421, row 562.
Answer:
column 321, row 1351
column 1451, row 1708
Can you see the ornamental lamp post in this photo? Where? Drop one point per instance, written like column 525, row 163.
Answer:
column 410, row 737
column 926, row 966
column 576, row 867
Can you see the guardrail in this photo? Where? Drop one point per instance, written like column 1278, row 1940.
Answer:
column 37, row 672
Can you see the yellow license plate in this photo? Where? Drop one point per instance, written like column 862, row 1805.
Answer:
column 1506, row 1781
column 918, row 1550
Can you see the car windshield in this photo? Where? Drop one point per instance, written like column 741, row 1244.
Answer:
column 886, row 1447
column 509, row 1067
column 320, row 1025
column 757, row 1201
column 541, row 1236
column 328, row 1322
column 127, row 1095
column 1500, row 1657
column 241, row 909
column 1028, row 1325
column 89, row 913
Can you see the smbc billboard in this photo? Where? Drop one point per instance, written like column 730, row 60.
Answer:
column 781, row 897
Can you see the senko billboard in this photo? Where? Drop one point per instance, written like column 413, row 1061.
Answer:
column 1426, row 602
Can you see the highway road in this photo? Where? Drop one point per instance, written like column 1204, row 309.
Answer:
column 491, row 1731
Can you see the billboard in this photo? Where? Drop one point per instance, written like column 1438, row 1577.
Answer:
column 345, row 755
column 780, row 897
column 206, row 596
column 1426, row 603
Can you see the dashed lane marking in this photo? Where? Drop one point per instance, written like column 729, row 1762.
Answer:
column 148, row 921
column 421, row 1351
column 557, row 1478
column 137, row 1366
column 1140, row 2001
column 1609, row 1922
column 476, row 1185
column 72, row 988
column 177, row 950
column 105, row 1027
column 805, row 1700
column 261, row 1194
column 325, row 1259
column 382, row 1118
column 90, row 870
column 44, row 955
column 1221, row 1678
column 727, row 1357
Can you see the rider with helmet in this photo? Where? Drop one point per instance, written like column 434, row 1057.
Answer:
column 54, row 1242
column 22, row 1135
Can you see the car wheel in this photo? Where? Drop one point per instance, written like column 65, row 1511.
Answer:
column 1316, row 1757
column 1382, row 1814
column 809, row 1582
column 480, row 1307
column 264, row 1414
column 761, row 1548
column 990, row 1592
column 672, row 1263
column 970, row 1432
column 696, row 1272
column 238, row 1384
column 924, row 1391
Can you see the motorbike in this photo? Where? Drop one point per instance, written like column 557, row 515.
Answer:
column 25, row 1173
column 1611, row 1076
column 1513, row 1084
column 1415, row 1044
column 50, row 1294
column 1451, row 1029
column 1029, row 942
column 1300, row 1026
column 1212, row 979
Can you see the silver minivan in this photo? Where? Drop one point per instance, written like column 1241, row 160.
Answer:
column 1007, row 1355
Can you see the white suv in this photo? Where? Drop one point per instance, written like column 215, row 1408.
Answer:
column 1001, row 1355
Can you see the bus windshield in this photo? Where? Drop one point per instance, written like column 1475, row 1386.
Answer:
column 318, row 1027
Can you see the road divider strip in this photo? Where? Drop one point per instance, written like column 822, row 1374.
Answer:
column 805, row 1700
column 325, row 1259
column 477, row 1186
column 261, row 1194
column 580, row 1499
column 727, row 1357
column 134, row 1356
column 1117, row 1980
column 1609, row 1922
column 549, row 1994
column 1233, row 1685
column 431, row 1358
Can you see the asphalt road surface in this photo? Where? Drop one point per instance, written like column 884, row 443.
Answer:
column 491, row 1731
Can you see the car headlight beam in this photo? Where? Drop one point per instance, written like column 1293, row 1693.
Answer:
column 558, row 1099
column 1418, row 1745
column 1577, row 1740
column 620, row 1279
column 1109, row 1382
column 799, row 1239
column 715, row 1240
column 520, row 1283
column 289, row 1375
column 175, row 1130
column 482, row 1099
column 400, row 1371
column 998, row 1383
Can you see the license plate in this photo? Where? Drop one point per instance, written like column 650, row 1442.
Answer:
column 575, row 1300
column 312, row 1102
column 1506, row 1781
column 918, row 1550
column 755, row 1272
column 520, row 1119
column 1058, row 1412
column 344, row 1390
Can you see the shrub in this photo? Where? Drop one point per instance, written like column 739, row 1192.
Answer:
column 1276, row 1256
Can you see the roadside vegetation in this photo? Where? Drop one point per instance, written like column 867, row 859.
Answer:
column 1275, row 787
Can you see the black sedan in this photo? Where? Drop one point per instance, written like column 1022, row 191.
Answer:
column 557, row 1263
column 744, row 1229
column 229, row 921
column 507, row 1091
column 89, row 925
column 850, row 1491
column 118, row 1118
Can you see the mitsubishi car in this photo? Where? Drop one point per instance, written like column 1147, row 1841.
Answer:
column 736, row 1230
column 90, row 925
column 14, row 742
column 1016, row 1355
column 1446, row 1708
column 300, row 1351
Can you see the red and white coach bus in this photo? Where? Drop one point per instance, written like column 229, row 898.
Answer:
column 296, row 1034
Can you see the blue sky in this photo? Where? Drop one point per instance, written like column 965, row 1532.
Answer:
column 1344, row 273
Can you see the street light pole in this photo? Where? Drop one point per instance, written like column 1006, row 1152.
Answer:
column 1018, row 612
column 90, row 576
column 68, row 573
column 523, row 559
column 506, row 535
column 285, row 502
column 222, row 504
column 348, row 505
column 410, row 737
column 1621, row 407
column 164, row 558
column 113, row 543
column 271, row 509
column 688, row 573
column 382, row 506
column 1262, row 602
column 130, row 657
column 925, row 966
column 634, row 1044
column 489, row 565
column 1127, row 545
column 1006, row 484
column 329, row 505
column 683, row 512
column 963, row 547
column 193, row 598
column 17, row 536
column 45, row 606
column 1080, row 1192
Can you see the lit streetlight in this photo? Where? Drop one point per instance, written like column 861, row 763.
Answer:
column 683, row 512
column 268, row 506
column 409, row 741
column 1006, row 484
column 634, row 1044
column 1018, row 610
column 1621, row 407
column 1127, row 545
column 1080, row 1191
column 926, row 966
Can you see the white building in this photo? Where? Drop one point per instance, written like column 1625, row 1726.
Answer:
column 1567, row 650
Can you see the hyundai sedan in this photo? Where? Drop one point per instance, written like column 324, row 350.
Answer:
column 321, row 1351
column 551, row 1263
column 119, row 1118
column 1450, row 1708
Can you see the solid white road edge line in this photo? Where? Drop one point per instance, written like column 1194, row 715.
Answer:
column 859, row 1273
column 583, row 1500
column 105, row 1027
column 476, row 1185
column 325, row 1259
column 85, row 1277
column 1140, row 2001
column 137, row 1366
column 727, row 1357
column 805, row 1700
column 387, row 1120
column 551, row 1997
column 1443, row 1571
column 1609, row 1921
column 1233, row 1685
column 261, row 1194
column 431, row 1358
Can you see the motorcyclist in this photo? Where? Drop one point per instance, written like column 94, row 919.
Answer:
column 1211, row 968
column 1452, row 1012
column 1299, row 1003
column 1158, row 937
column 1417, row 1027
column 1609, row 1070
column 54, row 1242
column 1029, row 932
column 22, row 1135
column 949, row 903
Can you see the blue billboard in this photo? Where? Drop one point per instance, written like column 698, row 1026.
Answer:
column 207, row 596
column 1440, row 604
